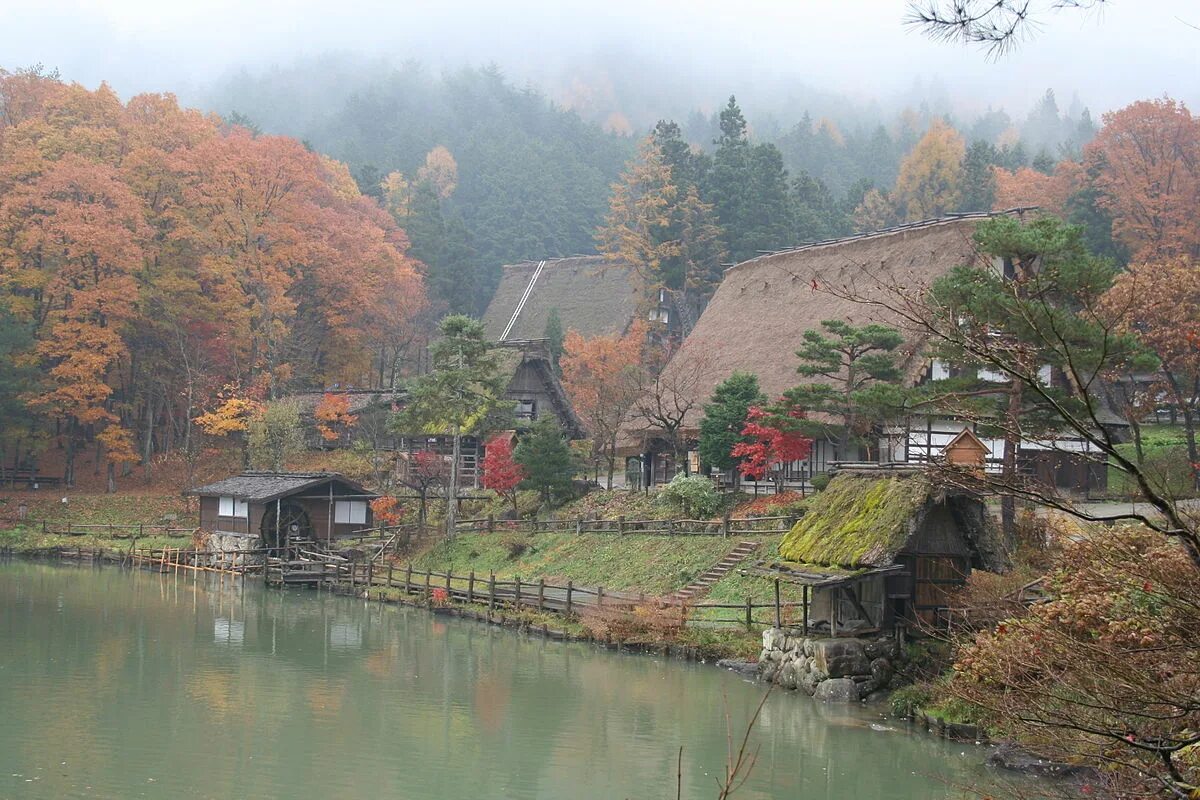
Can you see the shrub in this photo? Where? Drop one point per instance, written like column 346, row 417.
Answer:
column 692, row 495
column 819, row 482
column 910, row 699
column 515, row 545
column 650, row 622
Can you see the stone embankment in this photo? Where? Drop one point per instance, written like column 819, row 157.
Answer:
column 837, row 670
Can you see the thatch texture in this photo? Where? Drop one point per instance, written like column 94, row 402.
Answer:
column 755, row 321
column 593, row 296
column 868, row 518
column 858, row 521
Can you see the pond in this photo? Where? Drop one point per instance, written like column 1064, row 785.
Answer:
column 118, row 685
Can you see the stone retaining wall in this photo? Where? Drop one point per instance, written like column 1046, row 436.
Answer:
column 837, row 670
column 223, row 545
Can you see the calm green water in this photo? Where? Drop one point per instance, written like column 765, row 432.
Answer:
column 123, row 685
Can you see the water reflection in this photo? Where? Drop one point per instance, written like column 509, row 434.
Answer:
column 185, row 687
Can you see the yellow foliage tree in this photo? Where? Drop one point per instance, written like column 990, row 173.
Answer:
column 930, row 179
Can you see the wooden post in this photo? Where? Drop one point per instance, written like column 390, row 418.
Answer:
column 370, row 574
column 408, row 579
column 428, row 574
column 725, row 525
column 570, row 591
column 491, row 522
column 578, row 525
column 749, row 614
column 599, row 595
column 805, row 609
column 541, row 594
column 139, row 533
column 492, row 592
column 778, row 608
column 518, row 595
column 390, row 565
column 447, row 584
column 471, row 587
column 669, row 526
column 621, row 525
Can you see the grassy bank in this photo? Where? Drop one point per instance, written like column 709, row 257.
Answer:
column 122, row 509
column 651, row 564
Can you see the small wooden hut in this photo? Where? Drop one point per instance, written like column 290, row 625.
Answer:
column 274, row 508
column 885, row 545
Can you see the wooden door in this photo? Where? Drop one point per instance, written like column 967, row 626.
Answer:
column 934, row 579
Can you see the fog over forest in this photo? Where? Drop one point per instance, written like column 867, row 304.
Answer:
column 661, row 59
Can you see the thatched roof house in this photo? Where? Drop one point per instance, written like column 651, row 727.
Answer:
column 755, row 321
column 591, row 294
column 876, row 518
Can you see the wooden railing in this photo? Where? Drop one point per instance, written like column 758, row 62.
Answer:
column 726, row 526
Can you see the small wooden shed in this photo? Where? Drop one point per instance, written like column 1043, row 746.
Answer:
column 966, row 450
column 278, row 507
column 871, row 521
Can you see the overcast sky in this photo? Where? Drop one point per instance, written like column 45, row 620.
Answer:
column 1132, row 49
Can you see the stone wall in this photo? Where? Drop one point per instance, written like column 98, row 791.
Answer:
column 838, row 670
column 223, row 545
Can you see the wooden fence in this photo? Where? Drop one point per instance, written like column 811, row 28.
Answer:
column 109, row 530
column 726, row 526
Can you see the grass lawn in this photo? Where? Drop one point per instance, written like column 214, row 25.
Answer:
column 651, row 564
column 92, row 509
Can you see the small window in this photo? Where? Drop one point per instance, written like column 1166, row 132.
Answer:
column 232, row 507
column 350, row 512
column 526, row 409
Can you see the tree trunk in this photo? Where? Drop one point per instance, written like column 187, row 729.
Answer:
column 1012, row 443
column 452, row 492
column 111, row 479
column 1189, row 424
column 612, row 460
column 69, row 468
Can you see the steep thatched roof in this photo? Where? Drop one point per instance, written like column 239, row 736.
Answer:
column 865, row 519
column 593, row 296
column 533, row 355
column 755, row 321
column 359, row 399
column 261, row 487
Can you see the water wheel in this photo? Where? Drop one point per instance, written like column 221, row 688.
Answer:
column 293, row 524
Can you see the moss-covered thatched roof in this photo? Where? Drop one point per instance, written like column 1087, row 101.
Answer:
column 858, row 521
column 865, row 518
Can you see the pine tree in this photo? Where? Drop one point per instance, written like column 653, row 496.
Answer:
column 459, row 395
column 547, row 460
column 724, row 418
column 861, row 379
column 554, row 336
column 978, row 179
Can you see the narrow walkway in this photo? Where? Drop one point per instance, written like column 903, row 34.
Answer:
column 700, row 587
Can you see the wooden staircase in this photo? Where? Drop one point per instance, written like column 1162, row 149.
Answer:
column 699, row 587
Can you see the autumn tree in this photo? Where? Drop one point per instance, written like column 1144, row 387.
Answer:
column 664, row 232
column 670, row 397
column 501, row 473
column 1146, row 159
column 333, row 416
column 725, row 415
column 930, row 181
column 1159, row 304
column 424, row 472
column 603, row 377
column 771, row 440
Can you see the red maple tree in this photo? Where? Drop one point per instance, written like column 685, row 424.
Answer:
column 501, row 473
column 774, row 441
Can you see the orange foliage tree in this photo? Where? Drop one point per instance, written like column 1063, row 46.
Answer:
column 1147, row 164
column 603, row 377
column 333, row 416
column 159, row 254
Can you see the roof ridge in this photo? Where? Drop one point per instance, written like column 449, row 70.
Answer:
column 880, row 233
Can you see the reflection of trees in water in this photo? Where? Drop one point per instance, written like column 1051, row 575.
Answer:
column 392, row 701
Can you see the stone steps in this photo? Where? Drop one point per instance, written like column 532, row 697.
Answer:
column 700, row 586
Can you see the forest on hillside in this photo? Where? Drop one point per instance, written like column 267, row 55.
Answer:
column 534, row 169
